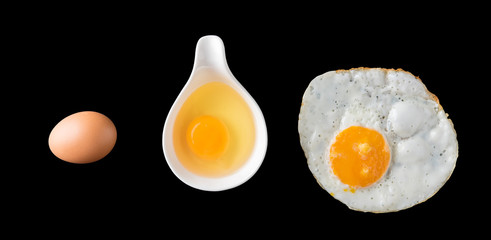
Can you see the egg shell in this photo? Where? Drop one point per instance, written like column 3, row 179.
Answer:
column 83, row 137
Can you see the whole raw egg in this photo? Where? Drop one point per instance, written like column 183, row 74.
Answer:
column 83, row 137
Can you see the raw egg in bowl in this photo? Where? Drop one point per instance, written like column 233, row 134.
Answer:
column 215, row 136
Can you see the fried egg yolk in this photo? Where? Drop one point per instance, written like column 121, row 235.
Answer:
column 207, row 137
column 359, row 156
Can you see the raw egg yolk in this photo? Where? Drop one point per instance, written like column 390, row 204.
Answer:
column 207, row 137
column 359, row 156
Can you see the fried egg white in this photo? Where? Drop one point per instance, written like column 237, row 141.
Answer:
column 376, row 139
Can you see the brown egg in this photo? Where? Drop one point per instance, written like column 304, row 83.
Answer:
column 83, row 137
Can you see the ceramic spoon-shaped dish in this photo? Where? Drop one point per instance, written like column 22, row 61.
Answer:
column 210, row 56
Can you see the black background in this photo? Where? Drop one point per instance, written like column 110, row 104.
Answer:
column 130, row 63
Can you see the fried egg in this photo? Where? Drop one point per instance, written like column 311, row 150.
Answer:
column 376, row 139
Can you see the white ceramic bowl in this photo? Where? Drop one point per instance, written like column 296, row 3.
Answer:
column 210, row 54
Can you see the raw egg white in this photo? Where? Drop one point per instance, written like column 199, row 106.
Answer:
column 83, row 137
column 376, row 139
column 214, row 132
